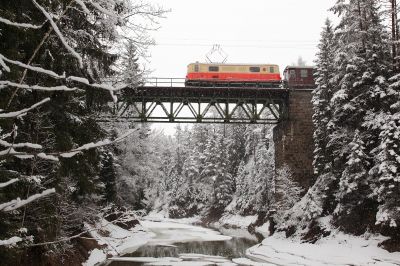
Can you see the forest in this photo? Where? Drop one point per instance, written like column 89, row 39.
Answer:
column 65, row 63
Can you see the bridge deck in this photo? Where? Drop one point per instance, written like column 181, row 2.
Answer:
column 205, row 94
column 195, row 104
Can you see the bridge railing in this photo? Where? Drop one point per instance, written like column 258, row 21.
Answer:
column 165, row 82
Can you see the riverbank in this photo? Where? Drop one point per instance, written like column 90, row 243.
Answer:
column 335, row 249
column 115, row 241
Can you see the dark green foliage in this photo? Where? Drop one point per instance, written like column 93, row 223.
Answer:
column 108, row 176
column 66, row 122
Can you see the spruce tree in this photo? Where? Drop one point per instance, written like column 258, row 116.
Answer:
column 65, row 53
column 363, row 65
column 322, row 96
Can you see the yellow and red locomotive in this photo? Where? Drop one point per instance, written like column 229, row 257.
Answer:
column 259, row 75
column 262, row 75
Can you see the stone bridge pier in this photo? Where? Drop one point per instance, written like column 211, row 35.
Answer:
column 293, row 138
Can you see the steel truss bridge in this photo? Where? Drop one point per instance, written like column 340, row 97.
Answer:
column 169, row 101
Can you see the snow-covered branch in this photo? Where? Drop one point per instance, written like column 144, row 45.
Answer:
column 9, row 182
column 23, row 111
column 20, row 25
column 83, row 6
column 68, row 154
column 29, row 67
column 35, row 87
column 11, row 241
column 96, row 85
column 59, row 34
column 20, row 145
column 18, row 203
column 57, row 76
column 103, row 10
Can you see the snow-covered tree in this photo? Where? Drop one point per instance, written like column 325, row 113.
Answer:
column 56, row 59
column 322, row 96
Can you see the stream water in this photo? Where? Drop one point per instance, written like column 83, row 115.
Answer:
column 228, row 249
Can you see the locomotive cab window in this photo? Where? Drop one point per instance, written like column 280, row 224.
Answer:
column 213, row 68
column 196, row 68
column 271, row 70
column 254, row 69
column 304, row 73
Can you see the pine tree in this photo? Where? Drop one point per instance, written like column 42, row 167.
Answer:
column 363, row 66
column 71, row 46
column 223, row 181
column 322, row 96
column 387, row 157
column 108, row 176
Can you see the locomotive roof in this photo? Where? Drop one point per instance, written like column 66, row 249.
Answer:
column 232, row 64
column 300, row 67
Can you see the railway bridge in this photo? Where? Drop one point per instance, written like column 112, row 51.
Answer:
column 169, row 101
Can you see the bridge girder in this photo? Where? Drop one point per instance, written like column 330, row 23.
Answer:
column 203, row 105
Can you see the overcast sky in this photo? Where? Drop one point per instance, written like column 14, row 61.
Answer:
column 252, row 31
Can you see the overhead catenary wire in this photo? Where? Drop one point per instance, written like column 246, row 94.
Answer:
column 298, row 46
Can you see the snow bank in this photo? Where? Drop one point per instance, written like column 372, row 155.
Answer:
column 247, row 262
column 145, row 259
column 236, row 221
column 120, row 241
column 117, row 241
column 96, row 256
column 339, row 249
column 171, row 232
column 162, row 217
column 263, row 229
column 239, row 233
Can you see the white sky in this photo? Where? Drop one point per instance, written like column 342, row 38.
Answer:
column 252, row 31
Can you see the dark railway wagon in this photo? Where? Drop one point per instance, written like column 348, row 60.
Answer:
column 299, row 77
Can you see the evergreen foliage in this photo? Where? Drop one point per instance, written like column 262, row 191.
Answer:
column 356, row 119
column 60, row 57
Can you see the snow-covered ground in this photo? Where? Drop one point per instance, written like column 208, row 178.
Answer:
column 339, row 249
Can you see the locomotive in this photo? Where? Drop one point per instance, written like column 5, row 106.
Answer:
column 240, row 75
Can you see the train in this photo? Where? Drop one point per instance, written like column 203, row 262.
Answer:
column 242, row 75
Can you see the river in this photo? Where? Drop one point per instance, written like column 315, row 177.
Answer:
column 179, row 244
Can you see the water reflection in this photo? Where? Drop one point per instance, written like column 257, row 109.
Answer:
column 234, row 248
